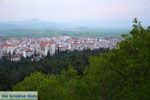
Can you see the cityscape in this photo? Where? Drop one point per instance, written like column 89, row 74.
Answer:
column 74, row 50
column 37, row 48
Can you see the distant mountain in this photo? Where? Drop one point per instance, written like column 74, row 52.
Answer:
column 36, row 24
column 80, row 29
column 33, row 24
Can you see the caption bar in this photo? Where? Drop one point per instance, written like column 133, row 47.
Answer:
column 18, row 95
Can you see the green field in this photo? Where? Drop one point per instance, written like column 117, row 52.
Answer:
column 51, row 33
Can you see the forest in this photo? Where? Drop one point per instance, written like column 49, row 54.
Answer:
column 118, row 74
column 13, row 72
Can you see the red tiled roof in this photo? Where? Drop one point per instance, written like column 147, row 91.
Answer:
column 43, row 44
column 29, row 50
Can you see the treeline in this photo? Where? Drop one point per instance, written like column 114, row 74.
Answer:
column 121, row 74
column 12, row 73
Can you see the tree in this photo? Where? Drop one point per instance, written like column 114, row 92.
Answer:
column 121, row 74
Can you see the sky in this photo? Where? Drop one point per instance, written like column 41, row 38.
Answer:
column 86, row 12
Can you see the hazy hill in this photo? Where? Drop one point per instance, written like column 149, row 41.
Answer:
column 46, row 28
column 32, row 24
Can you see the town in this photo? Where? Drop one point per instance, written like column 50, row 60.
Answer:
column 37, row 48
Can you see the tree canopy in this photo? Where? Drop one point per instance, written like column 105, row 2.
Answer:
column 121, row 74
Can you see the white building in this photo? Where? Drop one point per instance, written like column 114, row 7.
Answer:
column 29, row 53
column 44, row 48
column 52, row 49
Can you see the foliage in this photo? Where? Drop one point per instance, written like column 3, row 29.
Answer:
column 121, row 74
column 12, row 73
